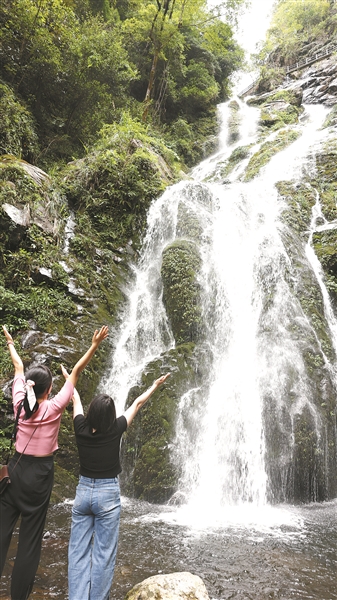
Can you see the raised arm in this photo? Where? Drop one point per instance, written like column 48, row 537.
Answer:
column 16, row 360
column 97, row 338
column 77, row 404
column 137, row 404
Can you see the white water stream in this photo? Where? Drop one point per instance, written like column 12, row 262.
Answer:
column 220, row 444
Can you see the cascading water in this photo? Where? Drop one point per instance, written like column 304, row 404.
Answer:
column 253, row 359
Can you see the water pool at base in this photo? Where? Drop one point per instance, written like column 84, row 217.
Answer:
column 290, row 552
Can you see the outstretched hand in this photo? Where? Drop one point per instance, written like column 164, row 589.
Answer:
column 161, row 379
column 64, row 372
column 75, row 396
column 7, row 334
column 100, row 335
column 131, row 412
column 97, row 338
column 16, row 360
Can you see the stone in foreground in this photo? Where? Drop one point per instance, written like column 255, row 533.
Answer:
column 174, row 586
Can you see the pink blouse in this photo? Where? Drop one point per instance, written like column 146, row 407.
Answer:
column 44, row 440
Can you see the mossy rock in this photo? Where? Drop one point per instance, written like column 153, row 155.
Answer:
column 181, row 292
column 300, row 439
column 310, row 480
column 331, row 119
column 240, row 153
column 115, row 184
column 188, row 225
column 299, row 200
column 325, row 245
column 325, row 179
column 148, row 470
column 268, row 149
column 277, row 114
column 270, row 78
column 293, row 97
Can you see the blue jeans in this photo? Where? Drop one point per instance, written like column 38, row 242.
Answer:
column 94, row 538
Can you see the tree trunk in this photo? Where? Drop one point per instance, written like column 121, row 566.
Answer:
column 147, row 99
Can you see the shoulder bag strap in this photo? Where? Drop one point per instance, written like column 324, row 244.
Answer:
column 25, row 448
column 15, row 428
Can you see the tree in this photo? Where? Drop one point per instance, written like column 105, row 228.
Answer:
column 295, row 24
column 71, row 71
column 167, row 35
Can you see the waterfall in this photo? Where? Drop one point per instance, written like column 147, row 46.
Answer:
column 253, row 357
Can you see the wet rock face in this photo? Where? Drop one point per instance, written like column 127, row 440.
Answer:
column 318, row 82
column 174, row 586
column 149, row 473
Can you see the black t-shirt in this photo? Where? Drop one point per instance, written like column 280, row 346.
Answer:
column 99, row 453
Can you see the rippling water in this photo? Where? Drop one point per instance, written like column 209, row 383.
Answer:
column 282, row 552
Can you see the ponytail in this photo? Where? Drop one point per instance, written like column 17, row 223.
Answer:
column 38, row 382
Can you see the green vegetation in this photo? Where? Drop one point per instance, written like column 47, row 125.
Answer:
column 299, row 200
column 239, row 154
column 111, row 189
column 70, row 68
column 278, row 108
column 17, row 128
column 325, row 241
column 306, row 23
column 283, row 139
column 331, row 119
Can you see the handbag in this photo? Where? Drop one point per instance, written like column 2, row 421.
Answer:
column 4, row 473
column 4, row 478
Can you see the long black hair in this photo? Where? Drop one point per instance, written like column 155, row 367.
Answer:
column 101, row 413
column 43, row 379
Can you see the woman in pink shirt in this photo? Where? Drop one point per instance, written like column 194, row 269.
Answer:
column 31, row 468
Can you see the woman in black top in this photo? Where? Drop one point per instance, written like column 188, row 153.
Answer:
column 96, row 510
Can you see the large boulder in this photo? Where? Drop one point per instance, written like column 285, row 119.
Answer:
column 174, row 586
column 181, row 292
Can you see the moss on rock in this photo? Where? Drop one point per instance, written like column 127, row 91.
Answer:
column 116, row 183
column 299, row 200
column 325, row 179
column 240, row 153
column 288, row 96
column 179, row 271
column 325, row 244
column 284, row 138
column 148, row 470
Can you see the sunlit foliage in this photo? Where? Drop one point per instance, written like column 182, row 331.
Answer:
column 296, row 24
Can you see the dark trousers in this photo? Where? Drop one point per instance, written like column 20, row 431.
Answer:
column 27, row 495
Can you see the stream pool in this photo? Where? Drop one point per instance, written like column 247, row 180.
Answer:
column 284, row 552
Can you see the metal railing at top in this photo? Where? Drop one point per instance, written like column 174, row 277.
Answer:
column 248, row 88
column 309, row 60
